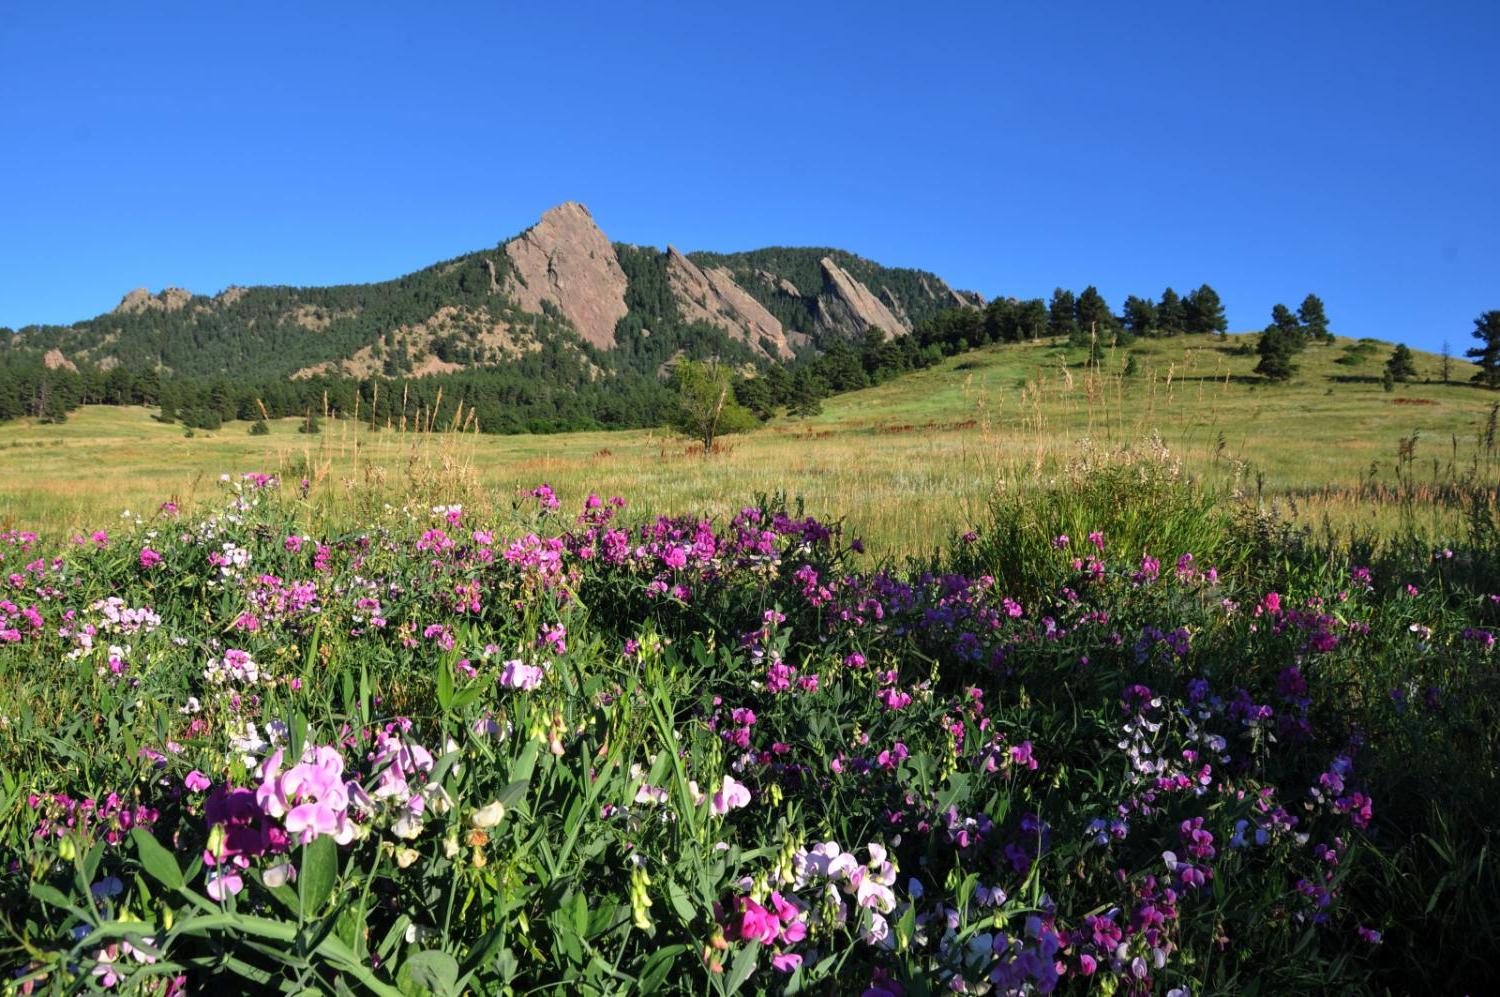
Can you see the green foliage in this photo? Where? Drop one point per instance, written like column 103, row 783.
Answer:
column 1203, row 312
column 1487, row 353
column 1400, row 366
column 1313, row 319
column 1117, row 688
column 706, row 406
column 1062, row 314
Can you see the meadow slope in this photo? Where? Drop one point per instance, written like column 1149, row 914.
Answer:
column 906, row 463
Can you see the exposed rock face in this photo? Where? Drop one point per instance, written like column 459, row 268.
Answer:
column 565, row 260
column 712, row 296
column 229, row 295
column 848, row 308
column 54, row 360
column 140, row 300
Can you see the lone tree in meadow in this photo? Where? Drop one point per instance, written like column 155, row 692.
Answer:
column 1314, row 320
column 706, row 408
column 1400, row 366
column 1487, row 354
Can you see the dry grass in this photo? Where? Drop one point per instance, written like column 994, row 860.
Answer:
column 906, row 463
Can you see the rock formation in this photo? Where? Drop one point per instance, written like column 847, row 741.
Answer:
column 566, row 261
column 846, row 307
column 141, row 300
column 712, row 296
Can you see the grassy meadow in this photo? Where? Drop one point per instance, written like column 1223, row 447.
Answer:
column 906, row 463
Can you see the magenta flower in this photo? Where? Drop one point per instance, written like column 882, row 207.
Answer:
column 196, row 781
column 149, row 558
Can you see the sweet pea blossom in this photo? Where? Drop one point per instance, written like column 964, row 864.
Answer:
column 515, row 674
column 311, row 797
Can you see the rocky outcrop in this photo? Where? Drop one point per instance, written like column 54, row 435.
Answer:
column 141, row 300
column 713, row 297
column 848, row 308
column 566, row 261
column 54, row 360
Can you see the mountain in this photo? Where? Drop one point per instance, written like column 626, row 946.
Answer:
column 560, row 289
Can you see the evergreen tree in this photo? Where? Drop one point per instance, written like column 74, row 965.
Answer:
column 1060, row 314
column 1400, row 366
column 1204, row 311
column 1286, row 323
column 1093, row 314
column 1314, row 320
column 1276, row 349
column 806, row 394
column 1031, row 319
column 1447, row 366
column 1487, row 354
column 1140, row 316
column 1171, row 315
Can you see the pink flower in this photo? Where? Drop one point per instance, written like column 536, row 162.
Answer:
column 730, row 797
column 517, row 675
column 196, row 781
column 755, row 923
column 224, row 883
column 311, row 796
column 149, row 558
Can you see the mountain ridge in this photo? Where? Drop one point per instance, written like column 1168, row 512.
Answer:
column 559, row 283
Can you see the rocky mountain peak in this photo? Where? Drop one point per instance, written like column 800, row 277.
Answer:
column 566, row 261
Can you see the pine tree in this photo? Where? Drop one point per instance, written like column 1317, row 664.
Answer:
column 1060, row 316
column 1447, row 366
column 1400, row 366
column 1286, row 323
column 1487, row 354
column 1092, row 313
column 1314, row 320
column 806, row 394
column 1171, row 316
column 1276, row 349
column 1140, row 316
column 1205, row 312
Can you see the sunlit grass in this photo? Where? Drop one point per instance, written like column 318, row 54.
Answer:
column 906, row 463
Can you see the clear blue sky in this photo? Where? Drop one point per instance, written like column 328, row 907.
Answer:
column 1352, row 149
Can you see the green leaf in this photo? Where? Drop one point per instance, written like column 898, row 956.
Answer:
column 156, row 860
column 444, row 682
column 50, row 895
column 654, row 973
column 320, row 867
column 739, row 972
column 513, row 793
column 432, row 969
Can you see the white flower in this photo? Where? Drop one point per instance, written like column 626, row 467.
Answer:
column 488, row 816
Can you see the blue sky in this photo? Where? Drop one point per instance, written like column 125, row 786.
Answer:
column 1270, row 149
